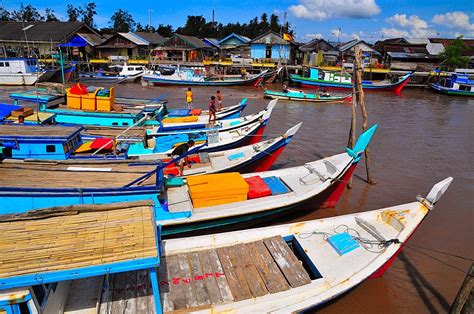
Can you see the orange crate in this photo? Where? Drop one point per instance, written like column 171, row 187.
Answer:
column 73, row 100
column 106, row 103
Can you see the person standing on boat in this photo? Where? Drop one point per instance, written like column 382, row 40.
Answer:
column 181, row 150
column 212, row 109
column 189, row 98
column 219, row 100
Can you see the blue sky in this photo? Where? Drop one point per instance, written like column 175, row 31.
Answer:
column 366, row 19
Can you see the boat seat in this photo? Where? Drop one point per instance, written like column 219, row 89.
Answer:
column 331, row 169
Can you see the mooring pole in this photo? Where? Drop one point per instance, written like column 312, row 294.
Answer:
column 352, row 131
column 361, row 103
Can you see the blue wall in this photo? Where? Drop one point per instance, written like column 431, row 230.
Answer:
column 258, row 51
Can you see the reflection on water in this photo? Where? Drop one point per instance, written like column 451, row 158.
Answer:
column 422, row 138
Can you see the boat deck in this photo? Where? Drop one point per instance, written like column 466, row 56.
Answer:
column 84, row 236
column 17, row 130
column 49, row 175
column 197, row 280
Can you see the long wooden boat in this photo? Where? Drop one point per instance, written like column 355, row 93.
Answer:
column 296, row 95
column 456, row 85
column 250, row 158
column 335, row 80
column 190, row 204
column 279, row 269
column 188, row 77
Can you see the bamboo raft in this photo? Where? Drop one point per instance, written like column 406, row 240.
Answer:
column 88, row 236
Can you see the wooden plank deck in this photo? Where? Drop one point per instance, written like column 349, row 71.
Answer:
column 17, row 130
column 47, row 175
column 70, row 241
column 198, row 280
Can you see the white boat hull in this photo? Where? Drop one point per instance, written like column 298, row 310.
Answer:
column 19, row 78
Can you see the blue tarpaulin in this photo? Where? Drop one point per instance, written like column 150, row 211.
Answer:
column 6, row 109
column 76, row 41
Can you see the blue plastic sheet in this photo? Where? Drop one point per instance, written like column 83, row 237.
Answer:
column 276, row 185
column 6, row 109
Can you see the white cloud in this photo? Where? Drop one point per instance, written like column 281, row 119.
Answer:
column 324, row 9
column 411, row 26
column 413, row 21
column 393, row 33
column 313, row 36
column 454, row 20
column 343, row 36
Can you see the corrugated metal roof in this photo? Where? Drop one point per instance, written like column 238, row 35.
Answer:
column 418, row 41
column 405, row 55
column 137, row 40
column 435, row 48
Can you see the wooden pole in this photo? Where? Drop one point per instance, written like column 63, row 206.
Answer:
column 463, row 303
column 361, row 103
column 352, row 132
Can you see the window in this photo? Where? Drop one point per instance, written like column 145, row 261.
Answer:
column 130, row 68
column 1, row 64
column 114, row 123
column 124, row 123
column 7, row 64
column 50, row 148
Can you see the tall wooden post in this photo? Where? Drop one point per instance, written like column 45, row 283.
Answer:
column 358, row 99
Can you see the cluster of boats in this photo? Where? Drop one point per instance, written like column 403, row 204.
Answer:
column 86, row 197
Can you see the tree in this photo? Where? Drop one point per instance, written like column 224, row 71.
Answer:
column 452, row 56
column 73, row 13
column 264, row 26
column 27, row 13
column 4, row 14
column 88, row 14
column 50, row 17
column 274, row 23
column 165, row 30
column 122, row 21
column 195, row 24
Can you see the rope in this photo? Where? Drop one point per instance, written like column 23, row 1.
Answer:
column 373, row 246
column 441, row 252
column 438, row 260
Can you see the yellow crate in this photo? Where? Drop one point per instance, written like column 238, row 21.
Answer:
column 106, row 103
column 180, row 119
column 89, row 101
column 217, row 185
column 72, row 101
column 213, row 201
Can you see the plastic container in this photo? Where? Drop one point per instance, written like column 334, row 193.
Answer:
column 73, row 101
column 257, row 187
column 196, row 112
column 89, row 101
column 106, row 103
column 276, row 185
column 216, row 189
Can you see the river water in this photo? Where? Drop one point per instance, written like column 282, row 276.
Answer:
column 423, row 137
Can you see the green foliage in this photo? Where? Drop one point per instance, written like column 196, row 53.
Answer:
column 88, row 14
column 26, row 13
column 452, row 56
column 50, row 16
column 165, row 30
column 73, row 13
column 122, row 21
column 4, row 14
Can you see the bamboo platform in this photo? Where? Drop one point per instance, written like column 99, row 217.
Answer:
column 94, row 236
column 137, row 132
column 50, row 175
column 37, row 131
column 197, row 280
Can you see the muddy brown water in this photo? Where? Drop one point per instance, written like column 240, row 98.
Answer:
column 423, row 137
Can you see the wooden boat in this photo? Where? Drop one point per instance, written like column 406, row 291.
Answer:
column 250, row 158
column 278, row 269
column 335, row 80
column 184, row 205
column 296, row 95
column 457, row 85
column 189, row 77
column 121, row 73
column 19, row 71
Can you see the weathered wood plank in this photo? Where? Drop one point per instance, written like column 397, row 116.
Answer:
column 118, row 297
column 242, row 260
column 143, row 291
column 272, row 276
column 199, row 286
column 210, row 281
column 235, row 277
column 177, row 290
column 164, row 284
column 186, row 281
column 107, row 294
column 226, row 293
column 130, row 292
column 285, row 259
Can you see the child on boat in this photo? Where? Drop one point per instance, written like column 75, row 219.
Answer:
column 219, row 100
column 181, row 150
column 212, row 109
column 189, row 98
